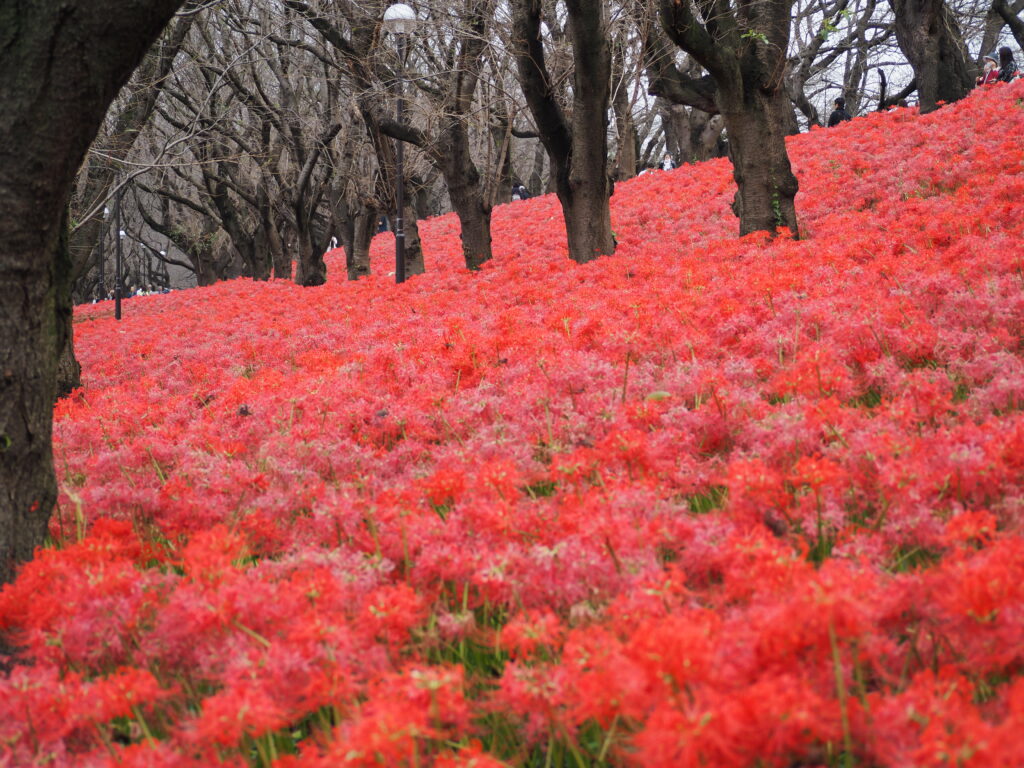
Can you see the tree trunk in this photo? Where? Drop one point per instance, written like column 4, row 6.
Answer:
column 501, row 140
column 930, row 38
column 749, row 71
column 578, row 151
column 765, row 184
column 475, row 220
column 310, row 269
column 282, row 258
column 466, row 193
column 46, row 125
column 69, row 371
column 357, row 253
column 413, row 247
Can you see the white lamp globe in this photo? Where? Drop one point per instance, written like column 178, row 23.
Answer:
column 400, row 19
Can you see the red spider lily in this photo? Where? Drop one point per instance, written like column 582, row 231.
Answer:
column 709, row 501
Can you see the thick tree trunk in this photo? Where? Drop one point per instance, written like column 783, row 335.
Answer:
column 588, row 224
column 766, row 186
column 69, row 372
column 413, row 246
column 467, row 196
column 578, row 150
column 282, row 258
column 930, row 38
column 357, row 252
column 752, row 99
column 61, row 64
column 475, row 220
column 310, row 269
column 28, row 365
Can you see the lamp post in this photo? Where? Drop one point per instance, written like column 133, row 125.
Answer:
column 103, row 255
column 117, row 260
column 400, row 19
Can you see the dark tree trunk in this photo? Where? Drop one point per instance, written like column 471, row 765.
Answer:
column 455, row 160
column 310, row 269
column 46, row 124
column 930, row 38
column 474, row 217
column 263, row 241
column 748, row 70
column 357, row 251
column 765, row 184
column 413, row 246
column 281, row 254
column 248, row 242
column 578, row 150
column 69, row 372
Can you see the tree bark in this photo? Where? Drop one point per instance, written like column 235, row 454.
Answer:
column 930, row 38
column 310, row 269
column 467, row 199
column 578, row 150
column 765, row 184
column 61, row 64
column 357, row 250
column 744, row 46
column 69, row 372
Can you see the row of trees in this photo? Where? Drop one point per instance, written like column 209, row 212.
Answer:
column 253, row 130
column 256, row 130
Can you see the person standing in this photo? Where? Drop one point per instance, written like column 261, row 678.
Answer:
column 839, row 113
column 667, row 164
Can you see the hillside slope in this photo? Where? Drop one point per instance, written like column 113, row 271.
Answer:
column 706, row 502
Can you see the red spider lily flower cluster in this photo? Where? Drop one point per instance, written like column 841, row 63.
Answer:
column 707, row 502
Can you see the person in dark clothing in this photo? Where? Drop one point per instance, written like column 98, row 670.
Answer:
column 839, row 114
column 519, row 192
column 1007, row 66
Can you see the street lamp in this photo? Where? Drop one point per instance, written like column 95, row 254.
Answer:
column 103, row 255
column 117, row 260
column 400, row 19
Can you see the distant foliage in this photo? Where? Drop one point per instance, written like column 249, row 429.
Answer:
column 708, row 502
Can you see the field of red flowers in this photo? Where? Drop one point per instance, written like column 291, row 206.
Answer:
column 708, row 502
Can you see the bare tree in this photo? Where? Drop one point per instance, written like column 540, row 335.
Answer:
column 577, row 145
column 743, row 46
column 930, row 37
